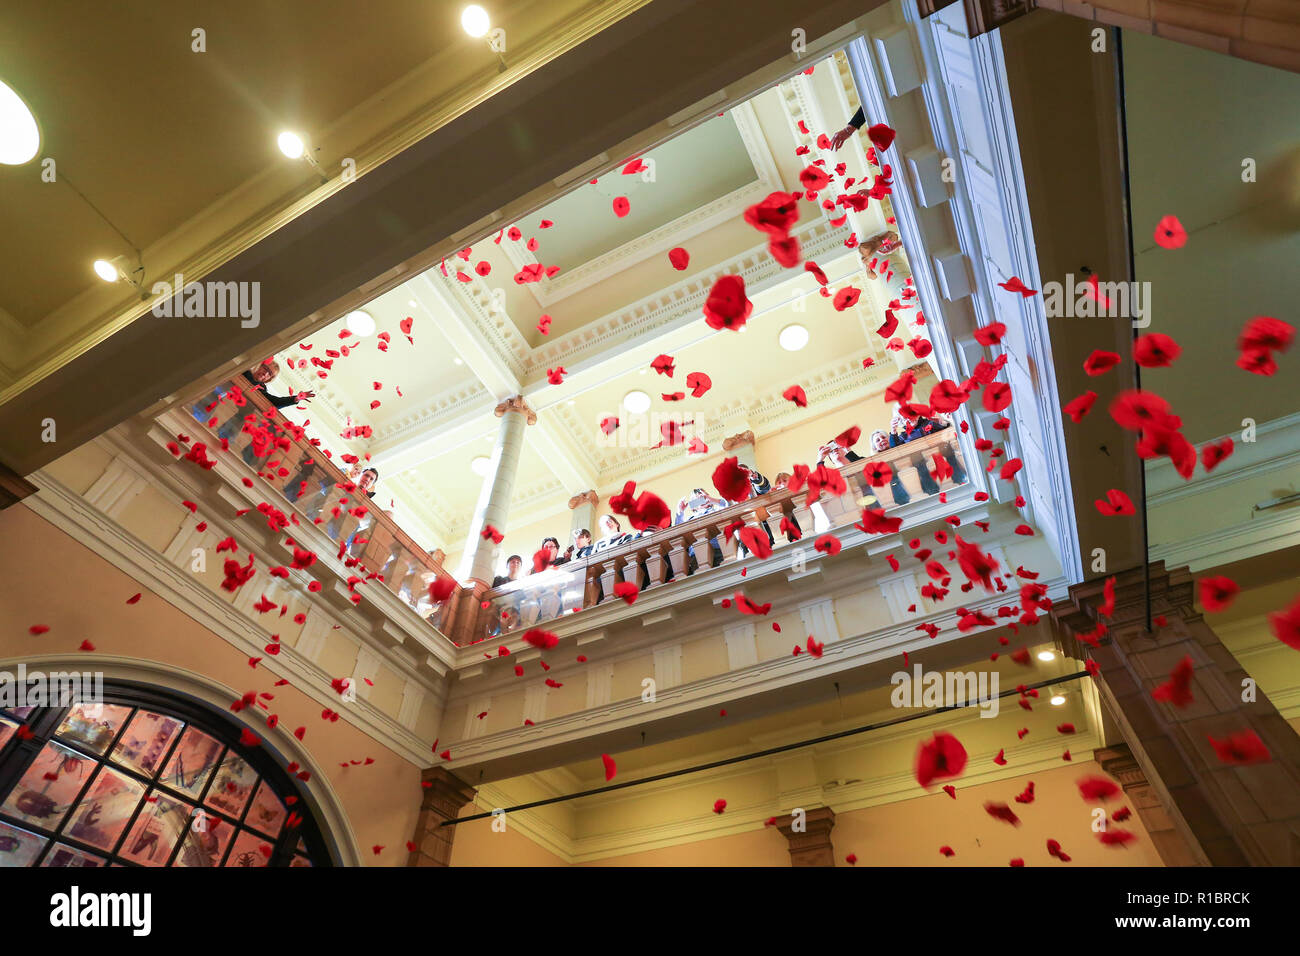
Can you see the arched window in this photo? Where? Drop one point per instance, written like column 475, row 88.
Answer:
column 147, row 778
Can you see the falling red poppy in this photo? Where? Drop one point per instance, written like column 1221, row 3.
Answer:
column 846, row 298
column 1241, row 749
column 795, row 393
column 727, row 307
column 880, row 135
column 621, row 206
column 1170, row 233
column 1116, row 503
column 1217, row 593
column 679, row 258
column 942, row 757
column 1100, row 362
column 1015, row 285
column 775, row 214
column 785, row 250
column 1076, row 408
column 990, row 334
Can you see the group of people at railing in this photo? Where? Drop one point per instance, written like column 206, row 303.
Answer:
column 337, row 502
column 558, row 583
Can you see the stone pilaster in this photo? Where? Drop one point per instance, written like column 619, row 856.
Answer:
column 442, row 801
column 812, row 846
column 1227, row 815
column 743, row 446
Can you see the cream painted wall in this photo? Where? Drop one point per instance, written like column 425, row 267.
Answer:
column 48, row 578
column 902, row 833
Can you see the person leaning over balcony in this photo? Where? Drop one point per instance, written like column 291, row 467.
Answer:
column 879, row 443
column 365, row 484
column 902, row 431
column 856, row 123
column 696, row 505
column 513, row 565
column 257, row 378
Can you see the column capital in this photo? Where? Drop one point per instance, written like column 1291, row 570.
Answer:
column 585, row 497
column 812, row 846
column 516, row 403
column 734, row 441
column 443, row 798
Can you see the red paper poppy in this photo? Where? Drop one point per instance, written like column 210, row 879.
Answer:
column 663, row 364
column 608, row 424
column 775, row 214
column 1116, row 503
column 745, row 606
column 813, row 179
column 816, row 271
column 990, row 334
column 1285, row 625
column 875, row 521
column 846, row 298
column 442, row 588
column 679, row 258
column 1217, row 593
column 1170, row 233
column 997, row 396
column 947, row 397
column 543, row 640
column 1267, row 333
column 1155, row 350
column 627, row 591
column 555, row 375
column 698, row 383
column 1015, row 285
column 731, row 481
column 828, row 544
column 796, row 394
column 878, row 473
column 900, row 390
column 880, row 135
column 785, row 250
column 610, row 767
column 755, row 540
column 1178, row 689
column 727, row 306
column 1076, row 408
column 1241, row 749
column 1100, row 362
column 1215, row 452
column 942, row 757
column 621, row 206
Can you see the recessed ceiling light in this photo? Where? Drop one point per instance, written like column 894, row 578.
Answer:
column 412, row 303
column 1046, row 656
column 458, row 360
column 20, row 137
column 475, row 21
column 290, row 144
column 360, row 323
column 793, row 337
column 106, row 270
column 1058, row 700
column 636, row 401
column 480, row 465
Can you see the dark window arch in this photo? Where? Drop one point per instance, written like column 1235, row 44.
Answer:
column 154, row 778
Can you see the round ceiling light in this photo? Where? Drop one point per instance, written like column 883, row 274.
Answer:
column 793, row 337
column 20, row 137
column 636, row 401
column 106, row 270
column 479, row 465
column 1046, row 656
column 1058, row 700
column 290, row 144
column 360, row 323
column 474, row 20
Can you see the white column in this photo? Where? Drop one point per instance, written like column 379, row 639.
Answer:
column 498, row 484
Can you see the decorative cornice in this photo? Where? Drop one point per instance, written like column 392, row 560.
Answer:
column 516, row 403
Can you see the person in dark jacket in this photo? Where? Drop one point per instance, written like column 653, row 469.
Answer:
column 856, row 123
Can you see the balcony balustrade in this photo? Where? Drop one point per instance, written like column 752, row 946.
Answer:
column 659, row 557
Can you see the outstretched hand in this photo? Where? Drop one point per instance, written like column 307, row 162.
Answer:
column 842, row 137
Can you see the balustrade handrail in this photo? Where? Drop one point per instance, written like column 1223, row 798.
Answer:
column 381, row 545
column 323, row 461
